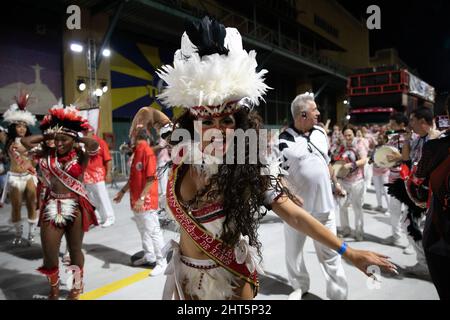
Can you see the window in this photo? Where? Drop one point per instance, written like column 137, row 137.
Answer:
column 328, row 28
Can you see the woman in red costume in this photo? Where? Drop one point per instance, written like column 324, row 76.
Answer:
column 65, row 208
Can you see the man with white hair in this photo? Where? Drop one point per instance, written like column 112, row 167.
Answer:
column 304, row 150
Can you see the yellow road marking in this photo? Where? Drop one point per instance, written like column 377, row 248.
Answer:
column 117, row 285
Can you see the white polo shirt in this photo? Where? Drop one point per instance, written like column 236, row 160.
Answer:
column 306, row 161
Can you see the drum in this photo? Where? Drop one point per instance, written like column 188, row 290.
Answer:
column 380, row 156
column 339, row 169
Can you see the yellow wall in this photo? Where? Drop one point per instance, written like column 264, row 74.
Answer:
column 353, row 35
column 75, row 65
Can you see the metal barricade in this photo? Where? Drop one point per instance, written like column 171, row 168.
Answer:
column 120, row 167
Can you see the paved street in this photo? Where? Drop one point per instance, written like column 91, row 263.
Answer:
column 109, row 275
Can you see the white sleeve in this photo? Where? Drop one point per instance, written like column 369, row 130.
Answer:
column 275, row 171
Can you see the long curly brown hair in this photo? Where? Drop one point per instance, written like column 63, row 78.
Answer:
column 241, row 186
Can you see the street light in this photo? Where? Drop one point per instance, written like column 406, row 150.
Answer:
column 76, row 47
column 106, row 52
column 98, row 92
column 81, row 85
column 104, row 86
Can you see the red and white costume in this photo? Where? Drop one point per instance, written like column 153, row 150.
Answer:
column 62, row 209
column 143, row 167
column 17, row 114
column 94, row 179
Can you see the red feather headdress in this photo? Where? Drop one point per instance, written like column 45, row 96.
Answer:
column 64, row 120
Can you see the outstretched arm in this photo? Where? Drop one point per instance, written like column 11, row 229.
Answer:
column 302, row 221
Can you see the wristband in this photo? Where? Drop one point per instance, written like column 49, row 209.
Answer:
column 343, row 248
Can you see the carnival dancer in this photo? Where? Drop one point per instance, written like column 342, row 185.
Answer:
column 3, row 159
column 355, row 156
column 21, row 180
column 218, row 206
column 96, row 175
column 66, row 208
column 143, row 186
column 304, row 148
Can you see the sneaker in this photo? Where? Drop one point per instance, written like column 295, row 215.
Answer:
column 409, row 250
column 159, row 268
column 142, row 261
column 359, row 236
column 17, row 241
column 109, row 222
column 391, row 241
column 296, row 295
column 380, row 209
column 345, row 232
column 31, row 239
column 419, row 270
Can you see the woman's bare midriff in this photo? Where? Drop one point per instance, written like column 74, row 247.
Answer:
column 189, row 248
column 58, row 187
column 17, row 168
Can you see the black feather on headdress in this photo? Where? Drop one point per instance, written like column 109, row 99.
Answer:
column 208, row 36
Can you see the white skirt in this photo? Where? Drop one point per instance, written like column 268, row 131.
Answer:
column 199, row 279
column 20, row 180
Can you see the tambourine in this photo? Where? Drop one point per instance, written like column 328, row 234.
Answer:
column 340, row 170
column 380, row 156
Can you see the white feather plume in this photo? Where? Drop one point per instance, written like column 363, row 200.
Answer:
column 14, row 114
column 213, row 79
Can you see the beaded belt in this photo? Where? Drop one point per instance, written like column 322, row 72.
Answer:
column 189, row 264
column 68, row 195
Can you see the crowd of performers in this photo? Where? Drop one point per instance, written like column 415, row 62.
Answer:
column 218, row 207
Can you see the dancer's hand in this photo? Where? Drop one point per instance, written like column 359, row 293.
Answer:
column 339, row 191
column 118, row 197
column 138, row 205
column 108, row 178
column 364, row 259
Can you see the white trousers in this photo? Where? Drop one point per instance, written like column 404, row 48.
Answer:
column 330, row 260
column 396, row 211
column 417, row 245
column 368, row 173
column 162, row 186
column 100, row 198
column 355, row 197
column 152, row 238
column 380, row 189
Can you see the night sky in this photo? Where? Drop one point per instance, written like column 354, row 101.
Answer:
column 419, row 30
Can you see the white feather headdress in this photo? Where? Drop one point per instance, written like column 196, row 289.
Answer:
column 215, row 82
column 17, row 112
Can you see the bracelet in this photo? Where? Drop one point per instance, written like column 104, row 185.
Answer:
column 343, row 248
